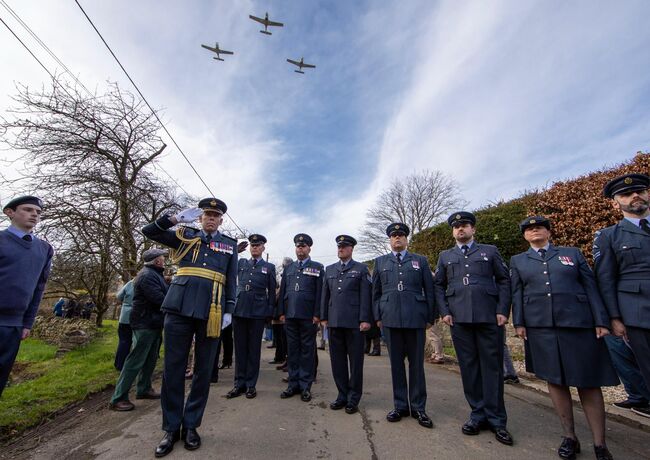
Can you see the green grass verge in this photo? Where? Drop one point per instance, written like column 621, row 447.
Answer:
column 59, row 381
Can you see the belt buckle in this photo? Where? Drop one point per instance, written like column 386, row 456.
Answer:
column 297, row 288
column 465, row 280
column 400, row 286
column 248, row 287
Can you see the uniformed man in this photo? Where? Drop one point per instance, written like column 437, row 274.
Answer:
column 200, row 300
column 346, row 310
column 25, row 263
column 403, row 304
column 255, row 303
column 472, row 287
column 622, row 265
column 299, row 306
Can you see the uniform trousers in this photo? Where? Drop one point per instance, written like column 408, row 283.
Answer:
column 347, row 349
column 10, row 337
column 407, row 343
column 248, row 344
column 280, row 338
column 125, row 340
column 301, row 352
column 479, row 349
column 627, row 369
column 178, row 333
column 640, row 343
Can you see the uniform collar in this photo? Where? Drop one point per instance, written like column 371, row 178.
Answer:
column 403, row 253
column 469, row 245
column 214, row 234
column 304, row 262
column 19, row 233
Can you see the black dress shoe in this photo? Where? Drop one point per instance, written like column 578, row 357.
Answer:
column 503, row 436
column 351, row 409
column 251, row 392
column 305, row 396
column 236, row 391
column 166, row 445
column 602, row 453
column 374, row 353
column 472, row 427
column 396, row 415
column 289, row 392
column 423, row 418
column 569, row 448
column 338, row 404
column 191, row 438
column 225, row 365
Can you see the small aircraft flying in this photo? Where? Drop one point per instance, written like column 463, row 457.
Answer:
column 301, row 65
column 217, row 50
column 266, row 23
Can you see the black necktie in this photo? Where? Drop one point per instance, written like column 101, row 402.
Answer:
column 644, row 225
column 464, row 248
column 208, row 238
column 342, row 266
column 254, row 262
column 300, row 265
column 29, row 237
column 542, row 252
column 399, row 257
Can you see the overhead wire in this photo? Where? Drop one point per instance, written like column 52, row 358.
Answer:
column 152, row 110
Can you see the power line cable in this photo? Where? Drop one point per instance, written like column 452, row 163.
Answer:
column 152, row 110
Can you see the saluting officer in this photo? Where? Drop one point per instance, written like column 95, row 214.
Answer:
column 473, row 296
column 255, row 302
column 403, row 304
column 622, row 265
column 346, row 310
column 200, row 299
column 557, row 309
column 299, row 307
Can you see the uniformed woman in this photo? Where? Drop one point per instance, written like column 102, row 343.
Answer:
column 558, row 311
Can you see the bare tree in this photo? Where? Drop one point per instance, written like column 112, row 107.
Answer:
column 418, row 200
column 91, row 158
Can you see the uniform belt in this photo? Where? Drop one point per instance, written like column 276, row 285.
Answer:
column 218, row 281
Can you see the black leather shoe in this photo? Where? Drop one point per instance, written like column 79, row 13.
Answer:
column 569, row 448
column 374, row 353
column 351, row 409
column 423, row 418
column 305, row 396
column 503, row 436
column 225, row 365
column 166, row 445
column 235, row 392
column 289, row 392
column 251, row 392
column 338, row 404
column 472, row 427
column 191, row 438
column 602, row 453
column 396, row 415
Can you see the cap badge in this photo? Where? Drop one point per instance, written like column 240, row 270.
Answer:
column 300, row 238
column 533, row 221
column 342, row 238
column 396, row 226
column 213, row 203
column 628, row 180
column 458, row 216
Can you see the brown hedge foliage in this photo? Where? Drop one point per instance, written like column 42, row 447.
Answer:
column 577, row 207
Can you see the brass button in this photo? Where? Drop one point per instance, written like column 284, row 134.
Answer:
column 549, row 294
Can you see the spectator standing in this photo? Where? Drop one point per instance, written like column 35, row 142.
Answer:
column 124, row 331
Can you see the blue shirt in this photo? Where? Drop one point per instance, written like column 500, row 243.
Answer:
column 636, row 221
column 469, row 245
column 403, row 253
column 20, row 233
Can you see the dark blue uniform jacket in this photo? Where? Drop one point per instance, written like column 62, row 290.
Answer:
column 300, row 290
column 256, row 289
column 347, row 295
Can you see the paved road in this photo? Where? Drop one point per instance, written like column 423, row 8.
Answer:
column 268, row 427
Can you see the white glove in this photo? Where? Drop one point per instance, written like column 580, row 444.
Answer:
column 189, row 215
column 227, row 319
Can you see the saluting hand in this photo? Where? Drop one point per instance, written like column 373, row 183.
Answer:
column 364, row 326
column 188, row 215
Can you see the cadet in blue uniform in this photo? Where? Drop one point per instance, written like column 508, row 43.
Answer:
column 200, row 299
column 557, row 309
column 403, row 304
column 622, row 266
column 473, row 297
column 255, row 303
column 299, row 307
column 24, row 268
column 346, row 310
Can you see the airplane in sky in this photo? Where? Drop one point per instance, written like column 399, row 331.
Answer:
column 217, row 50
column 301, row 65
column 266, row 23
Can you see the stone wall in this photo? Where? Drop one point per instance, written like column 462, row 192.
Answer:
column 65, row 333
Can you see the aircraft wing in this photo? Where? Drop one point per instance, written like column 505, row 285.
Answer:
column 293, row 62
column 210, row 48
column 225, row 52
column 255, row 18
column 309, row 66
column 276, row 24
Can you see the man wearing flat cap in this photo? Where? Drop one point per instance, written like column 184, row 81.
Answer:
column 473, row 297
column 200, row 301
column 346, row 310
column 622, row 265
column 404, row 305
column 24, row 270
column 146, row 320
column 299, row 307
column 255, row 303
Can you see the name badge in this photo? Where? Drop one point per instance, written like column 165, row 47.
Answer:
column 415, row 264
column 566, row 260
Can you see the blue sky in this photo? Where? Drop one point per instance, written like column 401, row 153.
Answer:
column 502, row 95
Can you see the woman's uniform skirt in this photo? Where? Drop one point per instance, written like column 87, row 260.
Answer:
column 569, row 356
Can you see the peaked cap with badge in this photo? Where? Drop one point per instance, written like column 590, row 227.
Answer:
column 397, row 227
column 534, row 221
column 461, row 217
column 303, row 238
column 345, row 240
column 626, row 183
column 256, row 238
column 213, row 204
column 26, row 199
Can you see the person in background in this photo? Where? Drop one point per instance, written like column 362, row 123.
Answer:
column 124, row 331
column 58, row 307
